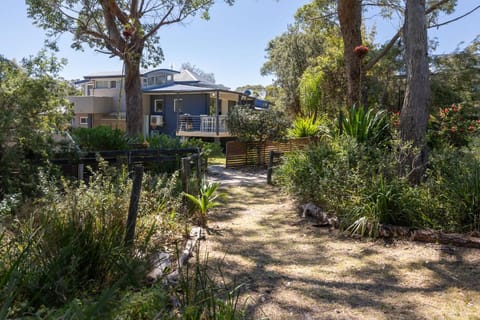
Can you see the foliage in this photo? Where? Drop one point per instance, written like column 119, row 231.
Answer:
column 366, row 125
column 163, row 141
column 205, row 201
column 70, row 242
column 308, row 127
column 250, row 125
column 33, row 106
column 201, row 297
column 100, row 138
column 359, row 183
column 456, row 79
column 288, row 56
column 453, row 125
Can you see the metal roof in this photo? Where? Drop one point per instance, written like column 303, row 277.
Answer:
column 117, row 74
column 178, row 88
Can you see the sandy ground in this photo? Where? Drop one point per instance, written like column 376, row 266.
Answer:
column 291, row 269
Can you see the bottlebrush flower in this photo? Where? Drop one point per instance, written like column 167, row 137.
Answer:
column 360, row 51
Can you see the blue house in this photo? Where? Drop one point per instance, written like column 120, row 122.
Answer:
column 174, row 103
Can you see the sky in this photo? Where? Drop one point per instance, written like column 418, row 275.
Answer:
column 231, row 45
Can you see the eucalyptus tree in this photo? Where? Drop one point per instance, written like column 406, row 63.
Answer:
column 288, row 56
column 127, row 29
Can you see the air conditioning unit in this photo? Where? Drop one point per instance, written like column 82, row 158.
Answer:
column 156, row 121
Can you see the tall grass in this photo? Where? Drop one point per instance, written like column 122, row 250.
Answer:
column 70, row 242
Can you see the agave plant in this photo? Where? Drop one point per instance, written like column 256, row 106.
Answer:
column 205, row 200
column 366, row 125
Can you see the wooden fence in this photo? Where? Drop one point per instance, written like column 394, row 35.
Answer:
column 189, row 160
column 240, row 154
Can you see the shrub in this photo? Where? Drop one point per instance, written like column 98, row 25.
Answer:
column 308, row 127
column 100, row 138
column 366, row 126
column 359, row 183
column 70, row 242
column 453, row 125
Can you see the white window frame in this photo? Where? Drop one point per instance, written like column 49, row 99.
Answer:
column 155, row 105
column 83, row 120
column 105, row 84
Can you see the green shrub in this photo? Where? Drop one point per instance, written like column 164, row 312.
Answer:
column 454, row 125
column 100, row 138
column 366, row 126
column 75, row 238
column 359, row 183
column 308, row 127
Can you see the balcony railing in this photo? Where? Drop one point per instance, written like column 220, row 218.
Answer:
column 202, row 125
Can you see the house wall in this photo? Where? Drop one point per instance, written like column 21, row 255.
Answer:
column 83, row 104
column 194, row 104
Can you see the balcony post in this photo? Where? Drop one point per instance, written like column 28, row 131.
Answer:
column 217, row 110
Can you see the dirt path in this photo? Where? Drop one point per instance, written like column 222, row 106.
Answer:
column 293, row 270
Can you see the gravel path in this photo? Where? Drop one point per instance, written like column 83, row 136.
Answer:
column 291, row 269
column 236, row 177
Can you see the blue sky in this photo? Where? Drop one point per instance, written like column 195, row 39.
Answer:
column 231, row 44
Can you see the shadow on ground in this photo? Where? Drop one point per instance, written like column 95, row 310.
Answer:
column 293, row 270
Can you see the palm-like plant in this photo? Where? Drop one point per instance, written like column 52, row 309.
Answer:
column 366, row 125
column 205, row 200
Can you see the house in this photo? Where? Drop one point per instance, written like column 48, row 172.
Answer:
column 174, row 103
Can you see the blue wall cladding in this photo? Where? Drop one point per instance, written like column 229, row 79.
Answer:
column 193, row 104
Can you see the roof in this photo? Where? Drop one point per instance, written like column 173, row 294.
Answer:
column 178, row 88
column 117, row 74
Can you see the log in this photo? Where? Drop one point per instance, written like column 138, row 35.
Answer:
column 456, row 239
column 163, row 263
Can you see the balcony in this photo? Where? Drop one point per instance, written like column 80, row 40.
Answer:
column 202, row 126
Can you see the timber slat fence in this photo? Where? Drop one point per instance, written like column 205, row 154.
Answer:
column 189, row 160
column 240, row 154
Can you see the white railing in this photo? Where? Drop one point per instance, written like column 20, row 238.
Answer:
column 202, row 123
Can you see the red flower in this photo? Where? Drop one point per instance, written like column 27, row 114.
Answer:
column 127, row 32
column 453, row 129
column 360, row 51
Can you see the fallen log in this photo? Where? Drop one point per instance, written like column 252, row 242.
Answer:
column 163, row 264
column 455, row 239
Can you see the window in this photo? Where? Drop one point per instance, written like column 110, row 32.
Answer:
column 113, row 84
column 90, row 90
column 169, row 77
column 158, row 106
column 101, row 84
column 178, row 105
column 159, row 80
column 151, row 81
column 83, row 120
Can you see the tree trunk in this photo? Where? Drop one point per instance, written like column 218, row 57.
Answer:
column 414, row 115
column 350, row 17
column 133, row 95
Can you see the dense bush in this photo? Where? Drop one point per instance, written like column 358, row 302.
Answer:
column 359, row 182
column 100, row 138
column 30, row 97
column 70, row 241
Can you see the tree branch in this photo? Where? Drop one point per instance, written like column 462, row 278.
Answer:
column 384, row 51
column 455, row 19
column 161, row 23
column 392, row 41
